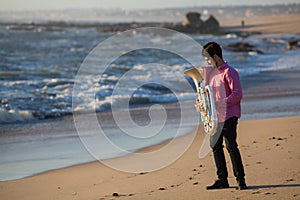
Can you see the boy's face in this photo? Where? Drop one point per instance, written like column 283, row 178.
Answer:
column 210, row 61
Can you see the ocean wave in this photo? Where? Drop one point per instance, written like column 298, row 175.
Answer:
column 39, row 70
column 12, row 116
column 290, row 61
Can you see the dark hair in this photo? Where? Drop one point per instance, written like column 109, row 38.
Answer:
column 211, row 49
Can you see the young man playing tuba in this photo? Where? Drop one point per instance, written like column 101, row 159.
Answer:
column 227, row 91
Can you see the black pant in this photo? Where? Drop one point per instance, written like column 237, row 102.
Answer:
column 229, row 134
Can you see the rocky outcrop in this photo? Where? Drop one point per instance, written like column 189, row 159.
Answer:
column 193, row 19
column 293, row 44
column 194, row 24
column 211, row 24
column 242, row 47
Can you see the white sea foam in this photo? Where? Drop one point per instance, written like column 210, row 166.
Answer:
column 290, row 60
column 43, row 87
column 11, row 116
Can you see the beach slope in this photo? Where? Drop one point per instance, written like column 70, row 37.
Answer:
column 270, row 153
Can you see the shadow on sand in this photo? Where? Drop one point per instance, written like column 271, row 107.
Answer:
column 255, row 187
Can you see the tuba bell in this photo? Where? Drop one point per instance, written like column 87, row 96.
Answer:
column 205, row 104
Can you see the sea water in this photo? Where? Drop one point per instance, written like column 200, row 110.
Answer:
column 38, row 68
column 39, row 59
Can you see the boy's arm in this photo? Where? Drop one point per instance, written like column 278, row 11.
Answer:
column 235, row 87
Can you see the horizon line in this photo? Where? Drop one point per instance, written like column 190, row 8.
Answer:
column 143, row 9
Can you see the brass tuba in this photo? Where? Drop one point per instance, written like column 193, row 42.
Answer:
column 206, row 103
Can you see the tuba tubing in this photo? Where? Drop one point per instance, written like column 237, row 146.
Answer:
column 206, row 104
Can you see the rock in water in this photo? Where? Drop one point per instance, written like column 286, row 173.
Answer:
column 193, row 19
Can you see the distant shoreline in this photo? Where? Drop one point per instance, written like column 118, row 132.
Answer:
column 269, row 24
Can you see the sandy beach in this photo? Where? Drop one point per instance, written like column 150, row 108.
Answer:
column 285, row 23
column 270, row 153
column 269, row 148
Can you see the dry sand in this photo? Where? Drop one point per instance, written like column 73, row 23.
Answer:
column 285, row 23
column 270, row 153
column 269, row 149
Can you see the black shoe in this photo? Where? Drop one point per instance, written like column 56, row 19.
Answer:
column 242, row 185
column 219, row 184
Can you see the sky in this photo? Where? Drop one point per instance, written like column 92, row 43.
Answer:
column 125, row 4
